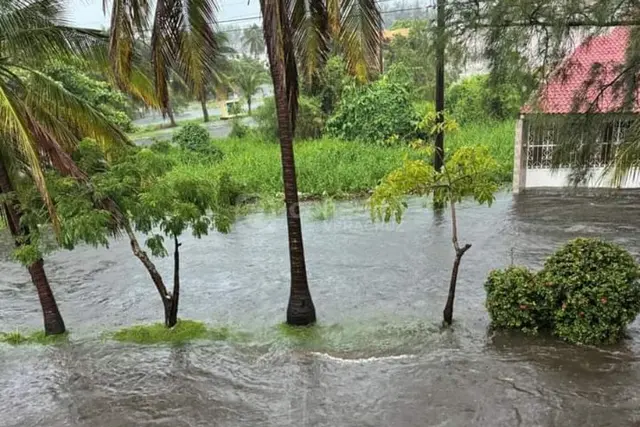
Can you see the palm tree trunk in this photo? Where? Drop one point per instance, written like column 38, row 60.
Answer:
column 53, row 323
column 300, row 310
column 249, row 104
column 172, row 119
column 205, row 112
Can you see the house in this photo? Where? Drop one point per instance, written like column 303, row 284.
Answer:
column 583, row 98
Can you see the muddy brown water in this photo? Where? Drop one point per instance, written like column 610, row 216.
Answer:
column 378, row 357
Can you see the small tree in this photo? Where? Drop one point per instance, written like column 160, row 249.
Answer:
column 193, row 197
column 468, row 172
column 157, row 194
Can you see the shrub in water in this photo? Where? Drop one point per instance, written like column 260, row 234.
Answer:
column 515, row 301
column 598, row 290
column 587, row 292
column 195, row 138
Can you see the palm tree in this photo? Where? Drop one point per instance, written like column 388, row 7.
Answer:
column 305, row 29
column 183, row 43
column 53, row 323
column 219, row 70
column 248, row 77
column 40, row 119
column 253, row 40
column 301, row 27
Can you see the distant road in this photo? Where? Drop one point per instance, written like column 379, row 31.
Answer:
column 216, row 128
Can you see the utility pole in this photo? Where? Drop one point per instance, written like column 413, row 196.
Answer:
column 438, row 157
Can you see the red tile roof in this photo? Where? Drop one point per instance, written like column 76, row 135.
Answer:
column 589, row 73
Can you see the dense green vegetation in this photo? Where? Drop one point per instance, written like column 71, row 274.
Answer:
column 587, row 292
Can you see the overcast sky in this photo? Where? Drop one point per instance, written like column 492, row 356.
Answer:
column 88, row 13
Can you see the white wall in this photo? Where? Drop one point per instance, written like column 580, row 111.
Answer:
column 537, row 178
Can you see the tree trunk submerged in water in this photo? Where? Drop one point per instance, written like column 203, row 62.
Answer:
column 172, row 319
column 300, row 310
column 53, row 323
column 448, row 308
column 167, row 299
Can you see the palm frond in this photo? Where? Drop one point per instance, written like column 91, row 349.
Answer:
column 34, row 30
column 121, row 42
column 198, row 43
column 310, row 24
column 282, row 61
column 61, row 112
column 14, row 129
column 165, row 39
column 361, row 36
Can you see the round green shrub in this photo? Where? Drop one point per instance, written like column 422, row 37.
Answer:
column 191, row 137
column 375, row 113
column 587, row 293
column 195, row 138
column 515, row 300
column 597, row 291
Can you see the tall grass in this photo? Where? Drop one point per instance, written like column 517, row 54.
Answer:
column 497, row 136
column 334, row 168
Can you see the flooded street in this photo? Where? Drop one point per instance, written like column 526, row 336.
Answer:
column 378, row 357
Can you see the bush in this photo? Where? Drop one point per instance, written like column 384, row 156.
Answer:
column 310, row 120
column 191, row 137
column 597, row 290
column 514, row 300
column 375, row 113
column 195, row 138
column 238, row 129
column 474, row 100
column 587, row 293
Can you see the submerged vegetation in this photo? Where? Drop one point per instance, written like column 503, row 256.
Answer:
column 587, row 292
column 38, row 337
column 183, row 331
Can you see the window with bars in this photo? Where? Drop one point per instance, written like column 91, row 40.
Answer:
column 542, row 140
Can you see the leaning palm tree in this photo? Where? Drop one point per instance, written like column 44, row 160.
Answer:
column 253, row 40
column 304, row 28
column 40, row 121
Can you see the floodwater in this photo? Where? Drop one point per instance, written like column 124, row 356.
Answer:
column 378, row 357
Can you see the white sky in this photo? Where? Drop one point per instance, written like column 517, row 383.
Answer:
column 88, row 13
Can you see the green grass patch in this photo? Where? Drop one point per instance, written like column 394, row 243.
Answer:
column 498, row 137
column 337, row 168
column 184, row 331
column 39, row 337
column 330, row 168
